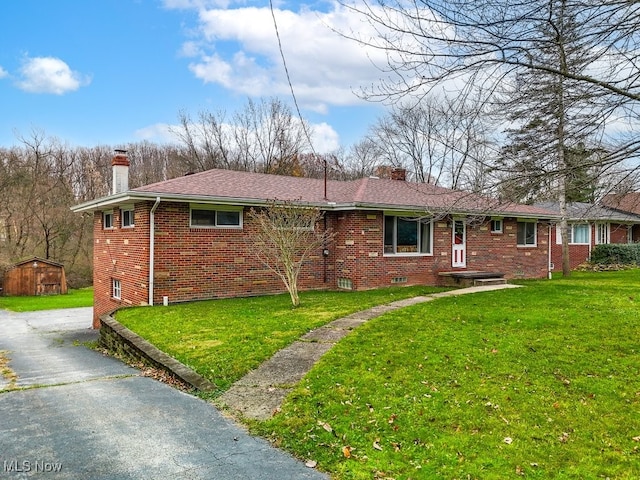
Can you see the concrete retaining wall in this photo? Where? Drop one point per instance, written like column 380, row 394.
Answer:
column 117, row 338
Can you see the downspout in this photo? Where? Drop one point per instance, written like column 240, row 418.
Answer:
column 549, row 274
column 152, row 243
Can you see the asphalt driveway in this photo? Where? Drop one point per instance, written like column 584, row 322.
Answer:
column 79, row 414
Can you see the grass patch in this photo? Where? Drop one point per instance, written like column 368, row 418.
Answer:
column 224, row 339
column 541, row 382
column 82, row 297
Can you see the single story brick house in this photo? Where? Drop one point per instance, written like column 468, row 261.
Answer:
column 626, row 203
column 189, row 238
column 589, row 225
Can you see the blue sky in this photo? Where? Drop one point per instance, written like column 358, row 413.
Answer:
column 116, row 71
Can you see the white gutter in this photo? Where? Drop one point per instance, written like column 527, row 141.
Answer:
column 152, row 242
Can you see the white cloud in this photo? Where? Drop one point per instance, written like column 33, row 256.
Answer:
column 158, row 132
column 3, row 72
column 237, row 48
column 49, row 75
column 325, row 138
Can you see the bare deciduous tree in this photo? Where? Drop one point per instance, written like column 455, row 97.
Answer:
column 436, row 141
column 286, row 236
column 263, row 137
column 586, row 53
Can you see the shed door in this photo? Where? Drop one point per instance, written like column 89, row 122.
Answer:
column 459, row 244
column 48, row 280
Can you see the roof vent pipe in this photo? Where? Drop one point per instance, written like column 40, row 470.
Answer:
column 120, row 167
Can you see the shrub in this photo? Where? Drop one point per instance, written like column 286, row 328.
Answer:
column 628, row 254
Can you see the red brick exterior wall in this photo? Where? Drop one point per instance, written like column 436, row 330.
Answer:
column 579, row 254
column 122, row 254
column 201, row 263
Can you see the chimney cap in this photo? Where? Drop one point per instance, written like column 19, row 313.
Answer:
column 119, row 151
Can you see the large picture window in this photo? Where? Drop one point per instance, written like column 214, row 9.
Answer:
column 407, row 236
column 580, row 234
column 206, row 217
column 526, row 234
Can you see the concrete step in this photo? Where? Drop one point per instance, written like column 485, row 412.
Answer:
column 478, row 282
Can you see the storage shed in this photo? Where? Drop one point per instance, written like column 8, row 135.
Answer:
column 35, row 276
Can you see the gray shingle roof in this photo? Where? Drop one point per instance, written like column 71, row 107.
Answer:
column 591, row 212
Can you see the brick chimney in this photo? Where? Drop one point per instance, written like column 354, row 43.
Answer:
column 399, row 174
column 120, row 165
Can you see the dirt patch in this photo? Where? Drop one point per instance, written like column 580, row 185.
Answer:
column 8, row 377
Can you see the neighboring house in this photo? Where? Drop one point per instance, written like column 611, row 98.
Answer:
column 35, row 276
column 190, row 238
column 625, row 202
column 589, row 225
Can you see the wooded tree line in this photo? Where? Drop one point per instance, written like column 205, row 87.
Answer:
column 522, row 100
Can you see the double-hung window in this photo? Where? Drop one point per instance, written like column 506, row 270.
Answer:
column 407, row 236
column 127, row 216
column 107, row 219
column 603, row 233
column 205, row 216
column 526, row 234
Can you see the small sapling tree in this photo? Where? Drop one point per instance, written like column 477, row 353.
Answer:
column 286, row 236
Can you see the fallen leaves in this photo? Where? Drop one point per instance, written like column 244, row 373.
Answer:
column 326, row 426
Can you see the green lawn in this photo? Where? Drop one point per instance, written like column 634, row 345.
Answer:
column 224, row 339
column 82, row 297
column 538, row 382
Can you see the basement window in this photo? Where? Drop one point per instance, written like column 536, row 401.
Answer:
column 345, row 283
column 204, row 216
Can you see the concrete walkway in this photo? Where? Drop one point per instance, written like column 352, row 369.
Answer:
column 259, row 394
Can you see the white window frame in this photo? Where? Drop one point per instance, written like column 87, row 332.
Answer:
column 572, row 233
column 493, row 224
column 603, row 229
column 123, row 212
column 216, row 209
column 535, row 234
column 116, row 289
column 109, row 214
column 395, row 253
